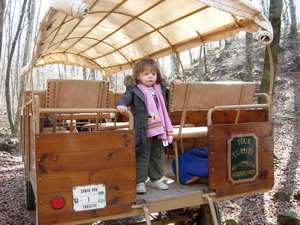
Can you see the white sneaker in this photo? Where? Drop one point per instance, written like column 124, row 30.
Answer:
column 159, row 184
column 141, row 188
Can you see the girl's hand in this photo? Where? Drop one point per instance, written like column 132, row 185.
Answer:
column 176, row 82
column 122, row 109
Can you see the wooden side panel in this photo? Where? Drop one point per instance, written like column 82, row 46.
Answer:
column 68, row 160
column 220, row 117
column 218, row 161
column 84, row 141
column 201, row 142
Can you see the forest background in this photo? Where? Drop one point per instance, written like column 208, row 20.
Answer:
column 236, row 58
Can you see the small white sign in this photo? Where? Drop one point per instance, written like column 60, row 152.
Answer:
column 89, row 197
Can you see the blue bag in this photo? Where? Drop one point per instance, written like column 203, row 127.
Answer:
column 193, row 166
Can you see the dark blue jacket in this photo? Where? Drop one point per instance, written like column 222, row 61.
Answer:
column 135, row 98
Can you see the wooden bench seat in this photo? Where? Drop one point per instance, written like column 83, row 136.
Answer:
column 201, row 96
column 74, row 94
column 107, row 126
column 190, row 132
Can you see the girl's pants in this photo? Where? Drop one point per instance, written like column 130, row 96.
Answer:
column 149, row 162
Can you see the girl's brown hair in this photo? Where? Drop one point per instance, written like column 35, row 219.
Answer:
column 147, row 64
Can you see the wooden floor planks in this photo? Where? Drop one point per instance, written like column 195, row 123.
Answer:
column 175, row 190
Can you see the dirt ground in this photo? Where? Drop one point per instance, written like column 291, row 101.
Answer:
column 254, row 209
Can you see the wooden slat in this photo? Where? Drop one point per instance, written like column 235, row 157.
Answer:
column 219, row 132
column 218, row 166
column 61, row 182
column 238, row 189
column 87, row 141
column 87, row 160
column 59, row 217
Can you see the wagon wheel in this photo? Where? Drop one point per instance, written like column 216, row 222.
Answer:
column 29, row 196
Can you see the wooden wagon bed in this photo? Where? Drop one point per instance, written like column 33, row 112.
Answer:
column 175, row 189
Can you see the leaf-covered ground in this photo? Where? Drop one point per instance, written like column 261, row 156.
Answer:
column 254, row 209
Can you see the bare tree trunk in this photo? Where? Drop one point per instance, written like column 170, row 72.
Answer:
column 265, row 7
column 285, row 24
column 204, row 59
column 15, row 78
column 84, row 73
column 111, row 86
column 73, row 71
column 175, row 66
column 191, row 57
column 64, row 73
column 294, row 31
column 249, row 57
column 163, row 69
column 116, row 83
column 2, row 7
column 200, row 74
column 200, row 55
column 59, row 72
column 275, row 19
column 92, row 74
column 8, row 71
column 27, row 54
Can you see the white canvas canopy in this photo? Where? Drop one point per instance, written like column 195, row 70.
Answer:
column 111, row 35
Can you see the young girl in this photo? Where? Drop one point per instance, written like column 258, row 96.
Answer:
column 146, row 94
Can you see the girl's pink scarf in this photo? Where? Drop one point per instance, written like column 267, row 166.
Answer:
column 158, row 119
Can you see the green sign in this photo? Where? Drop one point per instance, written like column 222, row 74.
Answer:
column 242, row 157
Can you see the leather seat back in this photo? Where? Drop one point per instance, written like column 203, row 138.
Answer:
column 76, row 94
